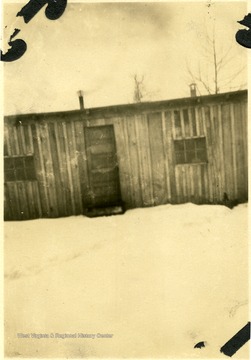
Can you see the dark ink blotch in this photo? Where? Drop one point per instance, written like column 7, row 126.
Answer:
column 16, row 31
column 246, row 21
column 237, row 341
column 18, row 48
column 200, row 345
column 53, row 11
column 243, row 37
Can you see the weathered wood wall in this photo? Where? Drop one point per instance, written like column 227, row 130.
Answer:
column 144, row 140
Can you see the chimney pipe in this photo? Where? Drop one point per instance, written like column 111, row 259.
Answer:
column 81, row 99
column 193, row 89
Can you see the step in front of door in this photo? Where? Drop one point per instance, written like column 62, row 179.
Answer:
column 105, row 211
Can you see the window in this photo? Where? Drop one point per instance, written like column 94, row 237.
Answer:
column 19, row 168
column 190, row 151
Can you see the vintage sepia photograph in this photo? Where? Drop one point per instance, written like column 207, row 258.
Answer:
column 125, row 152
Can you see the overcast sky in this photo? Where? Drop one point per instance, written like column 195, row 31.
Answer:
column 98, row 47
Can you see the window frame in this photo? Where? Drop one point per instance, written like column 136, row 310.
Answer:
column 190, row 146
column 20, row 168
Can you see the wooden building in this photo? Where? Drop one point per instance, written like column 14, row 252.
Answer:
column 183, row 150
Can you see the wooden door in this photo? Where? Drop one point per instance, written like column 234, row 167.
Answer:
column 103, row 171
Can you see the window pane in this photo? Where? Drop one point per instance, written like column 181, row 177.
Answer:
column 190, row 144
column 30, row 173
column 179, row 145
column 28, row 161
column 8, row 163
column 20, row 174
column 19, row 162
column 201, row 155
column 200, row 143
column 191, row 157
column 180, row 157
column 9, row 175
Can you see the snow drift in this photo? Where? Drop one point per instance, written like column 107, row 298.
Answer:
column 158, row 279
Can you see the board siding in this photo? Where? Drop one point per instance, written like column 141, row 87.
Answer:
column 160, row 194
column 147, row 169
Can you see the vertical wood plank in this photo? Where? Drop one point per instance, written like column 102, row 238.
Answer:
column 212, row 187
column 216, row 150
column 197, row 125
column 36, row 197
column 144, row 159
column 177, row 188
column 76, row 171
column 22, row 142
column 221, row 170
column 14, row 201
column 132, row 141
column 208, row 196
column 21, row 196
column 202, row 181
column 183, row 130
column 7, row 147
column 8, row 211
column 73, row 169
column 166, row 149
column 200, row 121
column 192, row 120
column 233, row 152
column 177, row 124
column 157, row 158
column 186, row 122
column 82, row 164
column 227, row 150
column 196, row 184
column 183, row 181
column 16, row 141
column 12, row 144
column 27, row 139
column 190, row 174
column 207, row 116
column 169, row 122
column 30, row 200
column 188, row 183
column 123, row 158
column 30, row 139
column 239, row 126
column 61, row 153
column 56, row 169
column 40, row 171
column 244, row 117
column 129, row 199
column 71, row 204
column 47, row 158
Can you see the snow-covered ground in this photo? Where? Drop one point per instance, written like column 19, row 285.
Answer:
column 159, row 279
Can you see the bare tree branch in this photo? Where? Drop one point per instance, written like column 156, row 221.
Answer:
column 138, row 88
column 212, row 78
column 231, row 78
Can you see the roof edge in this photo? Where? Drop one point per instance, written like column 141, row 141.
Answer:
column 143, row 106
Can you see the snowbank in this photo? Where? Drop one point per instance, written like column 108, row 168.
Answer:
column 159, row 280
